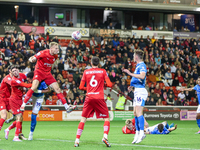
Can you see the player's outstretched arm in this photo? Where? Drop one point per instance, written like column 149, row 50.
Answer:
column 32, row 59
column 48, row 90
column 108, row 82
column 82, row 86
column 173, row 128
column 139, row 76
column 186, row 89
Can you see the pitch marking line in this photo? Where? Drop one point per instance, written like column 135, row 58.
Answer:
column 133, row 145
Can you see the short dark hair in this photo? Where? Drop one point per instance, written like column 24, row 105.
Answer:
column 139, row 52
column 30, row 75
column 14, row 66
column 160, row 127
column 9, row 67
column 95, row 60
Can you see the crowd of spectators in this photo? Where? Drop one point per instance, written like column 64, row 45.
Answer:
column 170, row 63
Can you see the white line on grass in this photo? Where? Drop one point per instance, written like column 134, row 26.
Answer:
column 134, row 145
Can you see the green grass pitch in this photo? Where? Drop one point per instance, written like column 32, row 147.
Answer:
column 61, row 136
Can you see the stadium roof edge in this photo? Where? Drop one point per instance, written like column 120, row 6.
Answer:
column 105, row 3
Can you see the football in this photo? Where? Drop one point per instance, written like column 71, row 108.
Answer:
column 76, row 35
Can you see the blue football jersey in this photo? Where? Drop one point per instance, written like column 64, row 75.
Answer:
column 197, row 88
column 155, row 131
column 139, row 83
column 42, row 86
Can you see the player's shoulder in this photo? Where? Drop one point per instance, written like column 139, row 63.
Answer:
column 22, row 75
column 8, row 77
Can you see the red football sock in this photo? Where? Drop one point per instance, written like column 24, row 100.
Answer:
column 80, row 130
column 18, row 128
column 28, row 95
column 106, row 127
column 62, row 98
column 13, row 125
column 1, row 123
column 21, row 128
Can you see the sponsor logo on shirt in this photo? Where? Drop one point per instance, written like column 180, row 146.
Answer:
column 48, row 65
column 38, row 53
column 9, row 78
column 18, row 81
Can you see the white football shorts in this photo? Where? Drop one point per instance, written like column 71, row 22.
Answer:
column 37, row 103
column 140, row 96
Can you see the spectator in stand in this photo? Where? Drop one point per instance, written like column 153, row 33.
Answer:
column 28, row 39
column 182, row 96
column 55, row 39
column 115, row 43
column 180, row 78
column 109, row 42
column 80, row 58
column 35, row 23
column 178, row 102
column 175, row 29
column 119, row 59
column 187, row 95
column 147, row 102
column 193, row 102
column 158, row 60
column 52, row 23
column 75, row 92
column 26, row 23
column 50, row 101
column 186, row 29
column 37, row 46
column 152, row 94
column 164, row 28
column 6, row 43
column 110, row 26
column 93, row 42
column 142, row 44
column 152, row 102
column 147, row 28
column 70, row 24
column 170, row 100
column 45, row 23
column 140, row 27
column 168, row 77
column 61, row 65
column 22, row 38
column 66, row 85
column 95, row 25
column 159, row 102
column 123, row 87
column 8, row 52
column 157, row 90
column 165, row 96
column 15, row 34
column 194, row 60
column 97, row 38
column 152, row 77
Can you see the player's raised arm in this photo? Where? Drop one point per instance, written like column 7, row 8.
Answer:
column 173, row 128
column 107, row 79
column 139, row 76
column 32, row 59
column 20, row 83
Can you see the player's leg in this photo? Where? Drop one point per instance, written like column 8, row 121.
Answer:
column 136, row 124
column 12, row 118
column 12, row 126
column 79, row 131
column 106, row 131
column 140, row 102
column 19, row 119
column 30, row 92
column 37, row 103
column 3, row 117
column 56, row 88
column 198, row 119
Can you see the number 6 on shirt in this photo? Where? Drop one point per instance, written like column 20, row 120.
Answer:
column 93, row 82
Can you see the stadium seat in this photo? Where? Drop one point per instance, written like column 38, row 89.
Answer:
column 70, row 77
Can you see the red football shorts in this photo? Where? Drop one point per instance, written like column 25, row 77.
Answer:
column 43, row 76
column 15, row 105
column 95, row 105
column 4, row 104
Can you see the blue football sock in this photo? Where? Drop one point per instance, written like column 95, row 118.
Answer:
column 141, row 122
column 33, row 122
column 198, row 122
column 171, row 125
column 137, row 124
column 167, row 126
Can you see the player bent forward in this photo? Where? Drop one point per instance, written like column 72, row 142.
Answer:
column 94, row 102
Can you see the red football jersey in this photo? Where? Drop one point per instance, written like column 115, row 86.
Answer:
column 125, row 130
column 94, row 79
column 17, row 89
column 5, row 89
column 45, row 60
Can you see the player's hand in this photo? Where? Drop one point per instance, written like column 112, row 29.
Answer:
column 130, row 88
column 22, row 108
column 175, row 126
column 126, row 71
